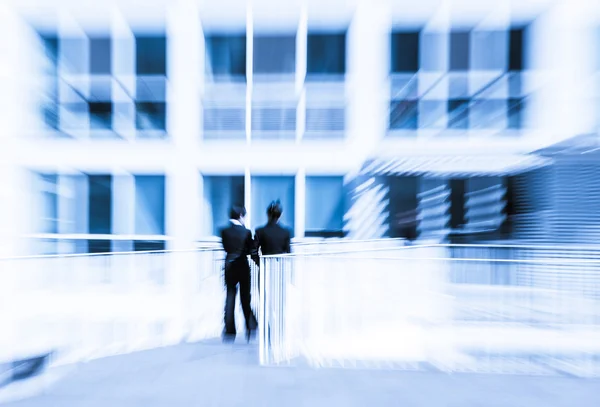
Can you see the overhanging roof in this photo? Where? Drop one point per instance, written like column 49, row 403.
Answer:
column 463, row 165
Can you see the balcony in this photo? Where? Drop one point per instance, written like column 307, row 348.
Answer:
column 502, row 310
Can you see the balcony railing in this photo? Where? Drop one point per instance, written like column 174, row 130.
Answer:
column 492, row 309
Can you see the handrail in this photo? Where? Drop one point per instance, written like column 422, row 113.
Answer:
column 76, row 255
column 218, row 248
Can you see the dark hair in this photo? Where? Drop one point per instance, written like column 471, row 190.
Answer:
column 236, row 212
column 274, row 210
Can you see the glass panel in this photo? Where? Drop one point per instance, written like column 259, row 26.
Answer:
column 101, row 115
column 151, row 116
column 405, row 52
column 100, row 200
column 151, row 55
column 226, row 55
column 150, row 204
column 404, row 114
column 459, row 51
column 100, row 56
column 275, row 55
column 326, row 54
column 220, row 194
column 267, row 189
column 458, row 114
column 325, row 204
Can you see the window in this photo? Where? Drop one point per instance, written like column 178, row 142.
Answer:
column 459, row 51
column 325, row 206
column 50, row 114
column 150, row 204
column 458, row 114
column 224, row 119
column 515, row 113
column 220, row 194
column 405, row 52
column 267, row 189
column 326, row 54
column 274, row 119
column 100, row 204
column 101, row 115
column 49, row 204
column 99, row 246
column 275, row 55
column 515, row 55
column 404, row 114
column 100, row 56
column 226, row 55
column 148, row 245
column 50, row 44
column 403, row 204
column 150, row 116
column 151, row 55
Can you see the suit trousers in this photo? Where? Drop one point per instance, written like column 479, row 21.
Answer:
column 238, row 274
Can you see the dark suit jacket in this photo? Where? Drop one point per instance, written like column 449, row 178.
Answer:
column 238, row 244
column 273, row 239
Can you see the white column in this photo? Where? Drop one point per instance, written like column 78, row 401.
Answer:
column 249, row 69
column 300, row 204
column 20, row 75
column 561, row 64
column 248, row 197
column 368, row 67
column 182, row 178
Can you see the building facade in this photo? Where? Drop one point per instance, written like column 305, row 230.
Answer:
column 128, row 130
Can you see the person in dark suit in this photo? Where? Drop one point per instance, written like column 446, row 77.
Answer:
column 238, row 244
column 273, row 238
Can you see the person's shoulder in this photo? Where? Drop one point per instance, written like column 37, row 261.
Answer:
column 285, row 228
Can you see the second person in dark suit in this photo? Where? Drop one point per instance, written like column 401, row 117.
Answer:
column 273, row 238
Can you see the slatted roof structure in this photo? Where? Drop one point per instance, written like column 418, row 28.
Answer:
column 455, row 166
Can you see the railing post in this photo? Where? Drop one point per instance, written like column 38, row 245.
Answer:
column 263, row 333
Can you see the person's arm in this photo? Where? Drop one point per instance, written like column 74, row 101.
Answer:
column 223, row 238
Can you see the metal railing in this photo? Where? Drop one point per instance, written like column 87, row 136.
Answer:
column 82, row 307
column 498, row 309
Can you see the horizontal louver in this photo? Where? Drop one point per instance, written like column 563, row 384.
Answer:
column 330, row 119
column 434, row 209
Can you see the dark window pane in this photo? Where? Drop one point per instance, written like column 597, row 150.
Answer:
column 100, row 56
column 150, row 116
column 458, row 114
column 515, row 57
column 148, row 245
column 51, row 48
column 274, row 55
column 326, row 54
column 226, row 55
column 515, row 113
column 100, row 201
column 151, row 55
column 404, row 114
column 50, row 112
column 101, row 115
column 99, row 246
column 459, row 51
column 150, row 204
column 405, row 52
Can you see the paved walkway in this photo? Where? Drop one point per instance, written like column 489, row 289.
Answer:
column 213, row 374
